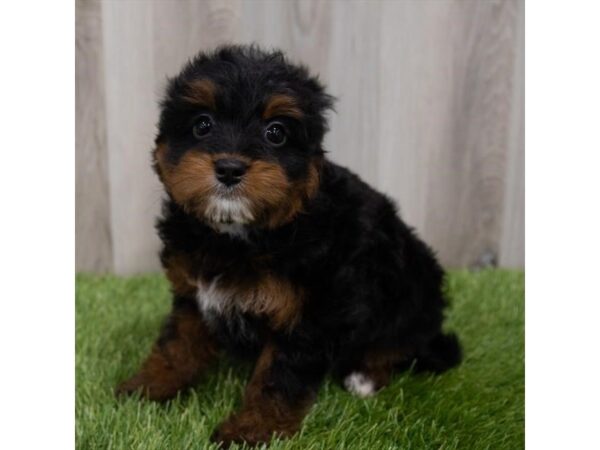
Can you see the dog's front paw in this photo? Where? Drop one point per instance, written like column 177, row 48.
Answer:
column 248, row 428
column 152, row 388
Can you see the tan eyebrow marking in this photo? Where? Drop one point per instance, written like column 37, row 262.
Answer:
column 282, row 105
column 202, row 93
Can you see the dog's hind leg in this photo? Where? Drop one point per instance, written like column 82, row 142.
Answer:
column 440, row 354
column 372, row 373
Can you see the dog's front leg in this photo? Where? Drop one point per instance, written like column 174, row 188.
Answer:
column 182, row 352
column 280, row 393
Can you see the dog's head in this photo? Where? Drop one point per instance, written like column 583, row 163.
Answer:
column 240, row 137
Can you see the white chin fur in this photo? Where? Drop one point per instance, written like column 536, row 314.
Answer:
column 359, row 384
column 228, row 211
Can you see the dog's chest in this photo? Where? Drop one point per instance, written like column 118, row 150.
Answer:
column 268, row 297
column 214, row 299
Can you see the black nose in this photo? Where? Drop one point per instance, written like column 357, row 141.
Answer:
column 230, row 171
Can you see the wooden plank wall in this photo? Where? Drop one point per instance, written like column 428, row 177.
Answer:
column 430, row 111
column 93, row 249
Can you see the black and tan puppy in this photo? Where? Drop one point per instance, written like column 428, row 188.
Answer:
column 274, row 252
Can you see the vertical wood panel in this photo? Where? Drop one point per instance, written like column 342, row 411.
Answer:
column 93, row 250
column 309, row 24
column 352, row 74
column 415, row 77
column 447, row 73
column 466, row 188
column 199, row 26
column 131, row 115
column 512, row 243
column 265, row 22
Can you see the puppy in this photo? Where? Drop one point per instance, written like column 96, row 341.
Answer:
column 276, row 253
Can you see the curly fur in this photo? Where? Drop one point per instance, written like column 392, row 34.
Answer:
column 321, row 275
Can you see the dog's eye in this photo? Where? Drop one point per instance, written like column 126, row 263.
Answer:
column 203, row 126
column 275, row 134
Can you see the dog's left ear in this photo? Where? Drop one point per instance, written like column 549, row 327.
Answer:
column 320, row 100
column 316, row 104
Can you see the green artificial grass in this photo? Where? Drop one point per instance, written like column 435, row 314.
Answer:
column 479, row 405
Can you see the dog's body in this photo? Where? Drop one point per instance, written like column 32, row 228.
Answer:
column 275, row 252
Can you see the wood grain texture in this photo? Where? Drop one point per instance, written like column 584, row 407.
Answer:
column 430, row 108
column 353, row 76
column 512, row 242
column 468, row 171
column 132, row 111
column 415, row 74
column 93, row 250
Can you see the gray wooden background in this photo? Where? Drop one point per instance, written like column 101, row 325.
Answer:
column 430, row 111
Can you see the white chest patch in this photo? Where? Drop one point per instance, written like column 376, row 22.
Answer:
column 270, row 297
column 217, row 304
column 359, row 384
column 213, row 299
